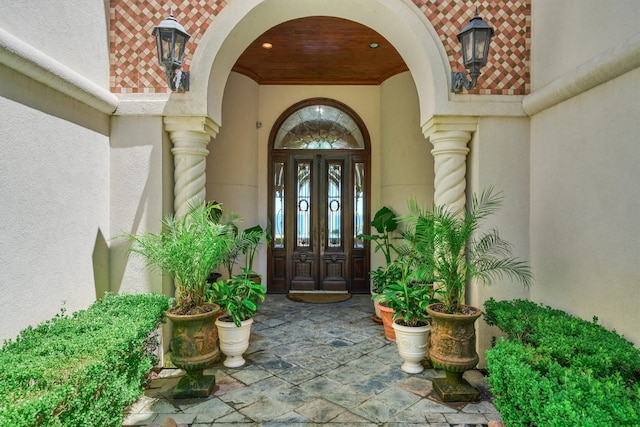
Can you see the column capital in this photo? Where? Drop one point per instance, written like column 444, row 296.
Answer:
column 449, row 136
column 191, row 123
column 190, row 136
column 449, row 124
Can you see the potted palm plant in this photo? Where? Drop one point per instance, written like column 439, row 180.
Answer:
column 239, row 296
column 462, row 253
column 251, row 238
column 187, row 250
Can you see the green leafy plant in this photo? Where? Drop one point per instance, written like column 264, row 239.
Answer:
column 83, row 369
column 252, row 237
column 239, row 296
column 385, row 222
column 384, row 276
column 187, row 250
column 407, row 297
column 410, row 293
column 456, row 250
column 237, row 241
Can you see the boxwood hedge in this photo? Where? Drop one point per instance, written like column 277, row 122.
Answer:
column 554, row 369
column 83, row 369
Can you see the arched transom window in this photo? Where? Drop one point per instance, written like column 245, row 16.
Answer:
column 319, row 127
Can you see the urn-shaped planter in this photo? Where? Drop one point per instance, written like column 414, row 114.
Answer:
column 194, row 347
column 234, row 341
column 453, row 349
column 412, row 343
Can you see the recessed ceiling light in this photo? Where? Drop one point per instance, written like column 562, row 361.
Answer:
column 267, row 45
column 374, row 45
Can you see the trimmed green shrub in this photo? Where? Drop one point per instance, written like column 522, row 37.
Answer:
column 80, row 370
column 558, row 370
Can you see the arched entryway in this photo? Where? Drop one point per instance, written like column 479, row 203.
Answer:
column 193, row 117
column 319, row 165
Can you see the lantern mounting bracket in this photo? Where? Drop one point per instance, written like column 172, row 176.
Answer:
column 459, row 80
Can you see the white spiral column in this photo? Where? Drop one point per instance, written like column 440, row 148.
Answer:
column 190, row 136
column 449, row 137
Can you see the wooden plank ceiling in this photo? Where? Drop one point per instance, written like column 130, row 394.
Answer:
column 320, row 50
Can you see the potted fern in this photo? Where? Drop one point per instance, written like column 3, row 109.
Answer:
column 187, row 250
column 462, row 253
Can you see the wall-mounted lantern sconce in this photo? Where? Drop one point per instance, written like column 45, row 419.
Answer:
column 171, row 39
column 475, row 38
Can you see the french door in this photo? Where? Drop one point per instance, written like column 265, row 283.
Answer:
column 318, row 209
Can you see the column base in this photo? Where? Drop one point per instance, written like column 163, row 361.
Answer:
column 194, row 387
column 459, row 391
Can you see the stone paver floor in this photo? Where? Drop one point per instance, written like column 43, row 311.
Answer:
column 314, row 364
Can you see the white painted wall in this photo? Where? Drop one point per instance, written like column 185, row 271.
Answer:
column 585, row 237
column 54, row 168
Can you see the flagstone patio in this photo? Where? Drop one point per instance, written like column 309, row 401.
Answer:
column 314, row 364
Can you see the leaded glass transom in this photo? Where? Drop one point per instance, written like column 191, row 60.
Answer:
column 319, row 127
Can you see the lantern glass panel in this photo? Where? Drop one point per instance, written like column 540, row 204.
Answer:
column 181, row 41
column 467, row 47
column 166, row 46
column 481, row 46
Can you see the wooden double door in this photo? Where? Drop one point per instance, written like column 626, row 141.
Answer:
column 319, row 206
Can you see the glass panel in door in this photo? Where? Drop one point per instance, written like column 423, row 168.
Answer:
column 318, row 259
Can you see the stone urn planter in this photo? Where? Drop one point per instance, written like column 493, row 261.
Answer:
column 453, row 349
column 194, row 347
column 234, row 341
column 386, row 314
column 412, row 343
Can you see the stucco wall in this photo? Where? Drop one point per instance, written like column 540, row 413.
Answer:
column 406, row 163
column 54, row 221
column 585, row 202
column 568, row 33
column 54, row 168
column 74, row 32
column 233, row 169
column 232, row 163
column 141, row 172
column 585, row 238
column 499, row 158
